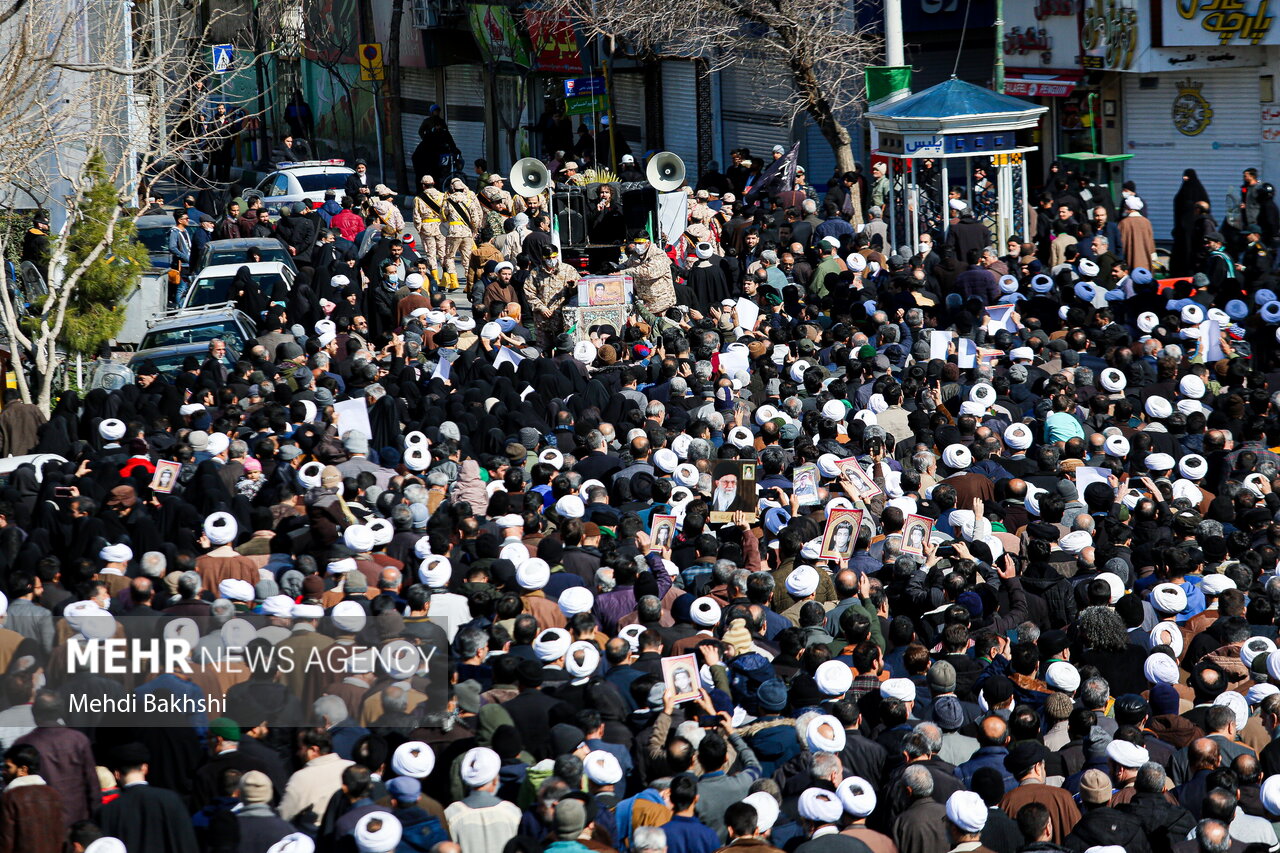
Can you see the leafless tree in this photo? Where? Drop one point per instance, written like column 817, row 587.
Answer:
column 814, row 47
column 79, row 77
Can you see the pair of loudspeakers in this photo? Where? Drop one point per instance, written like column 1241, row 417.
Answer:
column 665, row 172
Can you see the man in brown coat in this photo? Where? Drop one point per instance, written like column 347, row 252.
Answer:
column 1026, row 762
column 30, row 810
column 19, row 425
column 1135, row 234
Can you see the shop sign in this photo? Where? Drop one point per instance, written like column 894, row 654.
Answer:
column 912, row 144
column 1039, row 88
column 1270, row 123
column 554, row 42
column 1108, row 34
column 1217, row 22
column 497, row 36
column 1192, row 114
column 1033, row 30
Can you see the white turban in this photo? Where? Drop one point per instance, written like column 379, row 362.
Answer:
column 1255, row 646
column 221, row 528
column 234, row 589
column 1113, row 380
column 766, row 809
column 349, row 617
column 515, row 553
column 307, row 611
column 967, row 811
column 1127, row 754
column 435, row 571
column 385, row 839
column 857, row 796
column 343, row 566
column 819, row 742
column 957, row 456
column 1158, row 407
column 480, row 766
column 820, row 805
column 1168, row 598
column 803, row 581
column 1258, row 692
column 1167, row 634
column 280, row 606
column 705, row 611
column 358, row 538
column 533, row 573
column 1237, row 704
column 118, row 553
column 575, row 600
column 237, row 633
column 552, row 644
column 571, row 506
column 1116, row 446
column 1216, row 584
column 1075, row 541
column 294, row 842
column 602, row 768
column 1018, row 436
column 112, row 429
column 1159, row 462
column 107, row 844
column 1061, row 675
column 1160, row 669
column 590, row 659
column 1116, row 584
column 1270, row 795
column 1193, row 466
column 834, row 677
column 903, row 689
column 413, row 758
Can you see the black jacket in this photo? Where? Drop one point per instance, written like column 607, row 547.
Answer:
column 1102, row 826
column 1163, row 823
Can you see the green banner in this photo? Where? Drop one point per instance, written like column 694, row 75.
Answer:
column 497, row 36
column 583, row 105
column 887, row 83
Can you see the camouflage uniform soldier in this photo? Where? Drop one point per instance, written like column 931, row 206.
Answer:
column 465, row 218
column 650, row 270
column 428, row 218
column 546, row 289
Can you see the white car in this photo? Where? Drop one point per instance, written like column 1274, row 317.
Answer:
column 306, row 182
column 212, row 286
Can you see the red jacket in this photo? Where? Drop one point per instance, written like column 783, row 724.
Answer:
column 348, row 224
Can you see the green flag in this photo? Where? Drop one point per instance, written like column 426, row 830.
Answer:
column 886, row 84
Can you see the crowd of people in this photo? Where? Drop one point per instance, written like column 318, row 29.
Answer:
column 830, row 547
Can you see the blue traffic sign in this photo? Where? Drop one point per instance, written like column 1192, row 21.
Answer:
column 223, row 57
column 584, row 86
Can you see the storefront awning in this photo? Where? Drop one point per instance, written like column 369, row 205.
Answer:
column 1040, row 85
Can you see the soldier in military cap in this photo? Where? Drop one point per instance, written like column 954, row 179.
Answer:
column 547, row 288
column 650, row 270
column 428, row 217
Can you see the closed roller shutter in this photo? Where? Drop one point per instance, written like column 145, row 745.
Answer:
column 464, row 96
column 628, row 110
column 417, row 94
column 749, row 108
column 679, row 112
column 1228, row 144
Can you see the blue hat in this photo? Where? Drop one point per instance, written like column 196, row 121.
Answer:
column 406, row 789
column 972, row 602
column 772, row 695
column 1116, row 295
column 776, row 518
column 1084, row 291
column 948, row 713
column 1263, row 296
column 506, row 323
column 1042, row 283
column 1271, row 311
column 1141, row 275
column 1237, row 310
column 420, row 515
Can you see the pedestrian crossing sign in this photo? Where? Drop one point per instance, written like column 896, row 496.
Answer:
column 223, row 54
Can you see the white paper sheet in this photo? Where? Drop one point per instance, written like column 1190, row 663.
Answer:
column 939, row 340
column 967, row 353
column 506, row 355
column 353, row 415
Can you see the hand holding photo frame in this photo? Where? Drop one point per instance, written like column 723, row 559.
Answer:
column 166, row 476
column 662, row 532
column 862, row 482
column 840, row 536
column 916, row 532
column 680, row 675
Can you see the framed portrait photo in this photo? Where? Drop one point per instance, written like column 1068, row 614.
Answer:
column 862, row 482
column 166, row 476
column 840, row 536
column 662, row 532
column 804, row 484
column 916, row 531
column 680, row 674
column 733, row 489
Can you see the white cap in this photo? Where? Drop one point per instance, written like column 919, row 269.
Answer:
column 1061, row 675
column 833, row 677
column 349, row 617
column 571, row 506
column 803, row 581
column 533, row 573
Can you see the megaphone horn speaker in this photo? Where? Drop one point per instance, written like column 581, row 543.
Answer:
column 665, row 171
column 529, row 177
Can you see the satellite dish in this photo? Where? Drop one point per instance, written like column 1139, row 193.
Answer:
column 665, row 171
column 529, row 177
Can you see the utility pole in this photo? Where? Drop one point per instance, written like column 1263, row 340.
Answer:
column 894, row 53
column 997, row 78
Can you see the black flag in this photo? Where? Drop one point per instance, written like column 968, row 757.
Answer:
column 777, row 177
